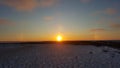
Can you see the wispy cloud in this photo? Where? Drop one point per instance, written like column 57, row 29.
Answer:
column 98, row 30
column 48, row 18
column 5, row 22
column 85, row 1
column 115, row 25
column 108, row 11
column 28, row 4
column 47, row 3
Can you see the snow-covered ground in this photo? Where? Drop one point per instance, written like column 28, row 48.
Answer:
column 59, row 56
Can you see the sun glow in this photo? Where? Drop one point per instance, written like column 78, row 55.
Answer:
column 59, row 38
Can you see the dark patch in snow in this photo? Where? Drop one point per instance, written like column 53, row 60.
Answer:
column 90, row 52
column 105, row 50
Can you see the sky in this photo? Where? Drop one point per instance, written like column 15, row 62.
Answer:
column 43, row 20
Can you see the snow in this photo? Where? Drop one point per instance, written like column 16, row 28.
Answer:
column 59, row 56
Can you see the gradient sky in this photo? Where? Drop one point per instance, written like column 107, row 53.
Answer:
column 42, row 20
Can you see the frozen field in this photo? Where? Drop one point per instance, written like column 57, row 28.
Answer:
column 58, row 56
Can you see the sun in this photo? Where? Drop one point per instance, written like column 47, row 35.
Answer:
column 59, row 38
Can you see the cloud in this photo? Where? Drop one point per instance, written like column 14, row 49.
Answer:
column 47, row 3
column 108, row 11
column 5, row 22
column 115, row 25
column 98, row 30
column 85, row 1
column 48, row 18
column 27, row 4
